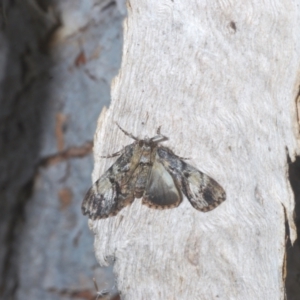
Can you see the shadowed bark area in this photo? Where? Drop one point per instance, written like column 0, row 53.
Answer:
column 57, row 59
column 293, row 251
column 25, row 71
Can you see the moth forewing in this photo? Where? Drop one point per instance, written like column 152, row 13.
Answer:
column 203, row 192
column 105, row 199
column 112, row 191
column 161, row 190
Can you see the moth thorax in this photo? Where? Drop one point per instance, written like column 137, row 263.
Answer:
column 146, row 148
column 145, row 159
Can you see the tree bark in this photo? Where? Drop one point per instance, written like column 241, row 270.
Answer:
column 57, row 59
column 222, row 79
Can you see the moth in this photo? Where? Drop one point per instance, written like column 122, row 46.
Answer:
column 147, row 169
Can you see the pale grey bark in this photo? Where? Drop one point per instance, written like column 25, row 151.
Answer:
column 221, row 78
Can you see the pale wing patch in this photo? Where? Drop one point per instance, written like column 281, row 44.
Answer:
column 161, row 190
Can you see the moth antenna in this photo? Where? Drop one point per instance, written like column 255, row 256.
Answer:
column 158, row 130
column 127, row 133
column 113, row 155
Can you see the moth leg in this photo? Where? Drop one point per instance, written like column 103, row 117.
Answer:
column 95, row 285
column 158, row 130
column 127, row 133
column 183, row 158
column 99, row 293
column 113, row 155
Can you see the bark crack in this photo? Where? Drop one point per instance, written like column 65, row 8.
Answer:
column 71, row 152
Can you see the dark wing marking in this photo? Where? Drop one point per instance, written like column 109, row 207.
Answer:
column 161, row 190
column 203, row 192
column 113, row 190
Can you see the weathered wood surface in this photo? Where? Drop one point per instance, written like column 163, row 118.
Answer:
column 221, row 78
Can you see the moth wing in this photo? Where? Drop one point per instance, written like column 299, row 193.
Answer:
column 105, row 198
column 113, row 190
column 161, row 190
column 203, row 192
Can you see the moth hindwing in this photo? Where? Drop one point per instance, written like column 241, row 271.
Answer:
column 147, row 169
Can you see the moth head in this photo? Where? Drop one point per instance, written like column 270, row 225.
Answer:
column 152, row 142
column 146, row 144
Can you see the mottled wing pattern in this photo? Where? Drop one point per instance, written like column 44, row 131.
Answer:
column 114, row 189
column 105, row 198
column 203, row 192
column 161, row 190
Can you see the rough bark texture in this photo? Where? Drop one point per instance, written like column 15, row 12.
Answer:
column 221, row 78
column 57, row 59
